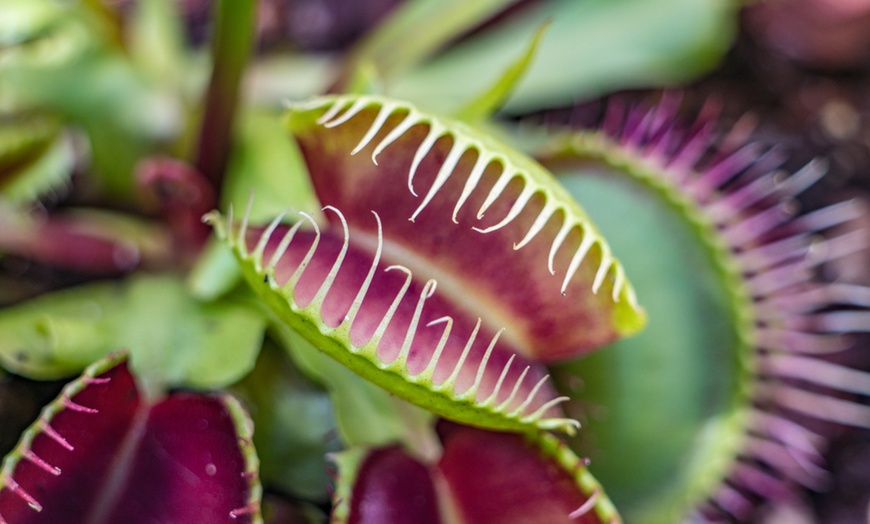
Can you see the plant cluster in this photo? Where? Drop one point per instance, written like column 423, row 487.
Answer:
column 356, row 287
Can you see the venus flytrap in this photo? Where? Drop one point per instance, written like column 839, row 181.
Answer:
column 399, row 332
column 740, row 321
column 418, row 257
column 476, row 479
column 464, row 370
column 104, row 452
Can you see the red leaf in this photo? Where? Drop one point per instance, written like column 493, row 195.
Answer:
column 103, row 453
column 501, row 478
column 482, row 477
column 490, row 273
column 396, row 489
column 380, row 294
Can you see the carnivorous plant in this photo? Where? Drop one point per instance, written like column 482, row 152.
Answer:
column 283, row 286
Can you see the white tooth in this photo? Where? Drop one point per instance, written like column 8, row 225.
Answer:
column 603, row 269
column 427, row 373
column 333, row 271
column 507, row 402
column 333, row 110
column 585, row 244
column 528, row 401
column 444, row 173
column 294, row 279
column 427, row 292
column 282, row 247
column 357, row 301
column 450, row 383
column 544, row 216
column 557, row 243
column 376, row 126
column 264, row 239
column 483, row 161
column 410, row 120
column 493, row 397
column 503, row 180
column 518, row 206
column 435, row 131
column 355, row 108
column 388, row 316
column 243, row 229
column 482, row 367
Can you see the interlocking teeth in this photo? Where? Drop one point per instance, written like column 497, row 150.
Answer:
column 525, row 410
column 342, row 109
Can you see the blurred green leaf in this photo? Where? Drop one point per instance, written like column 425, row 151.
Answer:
column 157, row 41
column 419, row 28
column 295, row 426
column 173, row 339
column 267, row 163
column 592, row 47
column 215, row 273
column 683, row 362
column 59, row 57
column 35, row 157
column 365, row 414
column 488, row 102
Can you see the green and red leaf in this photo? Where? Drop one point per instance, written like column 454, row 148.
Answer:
column 532, row 281
column 490, row 224
column 392, row 329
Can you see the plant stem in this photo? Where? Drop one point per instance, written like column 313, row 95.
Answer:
column 232, row 43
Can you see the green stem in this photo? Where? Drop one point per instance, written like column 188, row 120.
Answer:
column 231, row 47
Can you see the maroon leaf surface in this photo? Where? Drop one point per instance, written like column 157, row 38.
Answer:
column 500, row 478
column 459, row 207
column 384, row 289
column 482, row 477
column 394, row 489
column 103, row 452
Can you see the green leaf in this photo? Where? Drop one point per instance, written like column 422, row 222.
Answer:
column 35, row 159
column 61, row 58
column 265, row 163
column 593, row 47
column 365, row 414
column 493, row 98
column 157, row 42
column 685, row 360
column 215, row 272
column 173, row 339
column 295, row 425
column 417, row 29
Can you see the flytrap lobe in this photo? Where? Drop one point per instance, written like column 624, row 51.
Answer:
column 482, row 477
column 521, row 274
column 104, row 451
column 742, row 328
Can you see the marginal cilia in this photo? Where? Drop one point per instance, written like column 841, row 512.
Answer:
column 489, row 152
column 501, row 408
column 791, row 320
column 282, row 264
